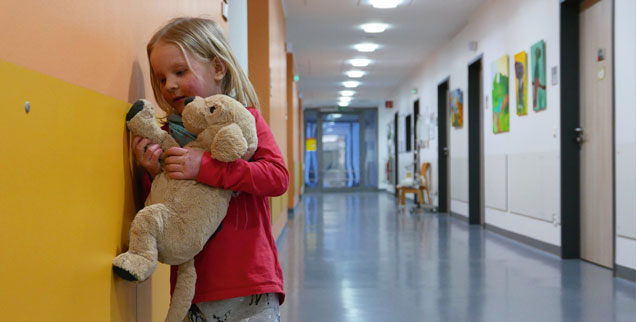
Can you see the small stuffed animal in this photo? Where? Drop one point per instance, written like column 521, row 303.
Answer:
column 180, row 216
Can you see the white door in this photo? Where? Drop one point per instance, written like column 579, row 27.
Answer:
column 597, row 220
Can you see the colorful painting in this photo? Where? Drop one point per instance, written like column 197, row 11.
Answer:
column 457, row 108
column 500, row 96
column 521, row 82
column 538, row 76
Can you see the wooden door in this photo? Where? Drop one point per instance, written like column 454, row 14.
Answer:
column 597, row 219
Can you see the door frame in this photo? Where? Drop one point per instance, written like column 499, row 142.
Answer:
column 570, row 120
column 475, row 143
column 442, row 143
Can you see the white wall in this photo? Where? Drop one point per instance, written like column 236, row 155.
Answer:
column 530, row 208
column 237, row 25
column 625, row 131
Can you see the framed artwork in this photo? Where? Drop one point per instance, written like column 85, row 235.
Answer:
column 457, row 108
column 521, row 82
column 537, row 51
column 500, row 97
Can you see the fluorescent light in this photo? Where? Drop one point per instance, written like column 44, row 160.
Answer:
column 360, row 62
column 366, row 47
column 385, row 4
column 351, row 84
column 374, row 27
column 343, row 103
column 347, row 93
column 345, row 99
column 355, row 73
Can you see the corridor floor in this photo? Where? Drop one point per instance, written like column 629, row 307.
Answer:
column 357, row 257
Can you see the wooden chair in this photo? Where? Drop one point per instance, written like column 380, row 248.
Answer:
column 417, row 189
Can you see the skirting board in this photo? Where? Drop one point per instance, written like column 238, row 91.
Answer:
column 458, row 216
column 626, row 273
column 556, row 250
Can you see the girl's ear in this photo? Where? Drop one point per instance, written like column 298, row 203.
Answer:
column 219, row 68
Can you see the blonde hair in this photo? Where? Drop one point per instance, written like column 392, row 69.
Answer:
column 205, row 39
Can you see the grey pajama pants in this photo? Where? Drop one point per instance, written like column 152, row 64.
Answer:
column 253, row 308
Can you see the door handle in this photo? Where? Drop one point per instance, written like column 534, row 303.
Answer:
column 579, row 137
column 445, row 150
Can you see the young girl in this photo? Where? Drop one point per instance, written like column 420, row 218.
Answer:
column 238, row 273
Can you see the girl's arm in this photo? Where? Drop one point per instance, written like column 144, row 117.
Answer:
column 264, row 175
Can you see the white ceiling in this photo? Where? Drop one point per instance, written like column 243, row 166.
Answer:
column 322, row 33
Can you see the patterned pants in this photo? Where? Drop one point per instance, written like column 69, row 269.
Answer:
column 253, row 308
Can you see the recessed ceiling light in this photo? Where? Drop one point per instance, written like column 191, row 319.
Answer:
column 374, row 27
column 366, row 47
column 360, row 62
column 355, row 73
column 345, row 99
column 343, row 103
column 347, row 93
column 351, row 84
column 385, row 4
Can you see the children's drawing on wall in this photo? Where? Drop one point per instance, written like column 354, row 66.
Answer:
column 538, row 76
column 500, row 97
column 521, row 82
column 457, row 108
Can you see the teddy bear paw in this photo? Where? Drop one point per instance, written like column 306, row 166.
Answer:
column 133, row 267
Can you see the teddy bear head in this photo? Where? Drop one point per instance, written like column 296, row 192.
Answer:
column 207, row 116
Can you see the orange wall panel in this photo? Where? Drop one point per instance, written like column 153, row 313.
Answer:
column 292, row 133
column 99, row 45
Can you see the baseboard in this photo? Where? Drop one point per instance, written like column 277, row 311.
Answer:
column 625, row 272
column 556, row 250
column 458, row 216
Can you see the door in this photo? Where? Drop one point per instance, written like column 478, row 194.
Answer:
column 340, row 151
column 475, row 155
column 596, row 84
column 442, row 145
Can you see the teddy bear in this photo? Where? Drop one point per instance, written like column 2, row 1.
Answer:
column 180, row 216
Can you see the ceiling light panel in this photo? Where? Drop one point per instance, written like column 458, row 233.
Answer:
column 351, row 84
column 366, row 47
column 355, row 73
column 374, row 27
column 347, row 93
column 360, row 62
column 385, row 4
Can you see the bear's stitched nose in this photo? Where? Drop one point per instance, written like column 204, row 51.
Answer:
column 188, row 100
column 136, row 108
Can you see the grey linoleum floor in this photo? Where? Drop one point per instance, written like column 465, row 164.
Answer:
column 357, row 257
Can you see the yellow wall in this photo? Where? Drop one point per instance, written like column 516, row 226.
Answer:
column 67, row 194
column 268, row 72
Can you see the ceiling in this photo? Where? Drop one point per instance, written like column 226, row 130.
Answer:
column 322, row 33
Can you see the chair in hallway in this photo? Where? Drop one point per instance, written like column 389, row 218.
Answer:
column 416, row 187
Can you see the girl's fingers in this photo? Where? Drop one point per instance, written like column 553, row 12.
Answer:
column 176, row 151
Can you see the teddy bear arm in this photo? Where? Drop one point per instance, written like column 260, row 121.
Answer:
column 228, row 144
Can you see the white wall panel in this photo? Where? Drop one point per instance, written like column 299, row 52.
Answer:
column 534, row 184
column 496, row 182
column 459, row 179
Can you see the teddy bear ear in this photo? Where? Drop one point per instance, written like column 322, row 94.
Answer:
column 188, row 100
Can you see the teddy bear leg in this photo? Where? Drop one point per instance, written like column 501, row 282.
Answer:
column 140, row 261
column 183, row 292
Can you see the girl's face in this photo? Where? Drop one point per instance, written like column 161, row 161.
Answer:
column 178, row 80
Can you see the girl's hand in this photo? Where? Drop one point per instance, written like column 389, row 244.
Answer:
column 147, row 155
column 183, row 163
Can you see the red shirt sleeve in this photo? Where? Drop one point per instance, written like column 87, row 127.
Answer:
column 264, row 175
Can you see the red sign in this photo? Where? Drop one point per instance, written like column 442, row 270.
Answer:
column 388, row 104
